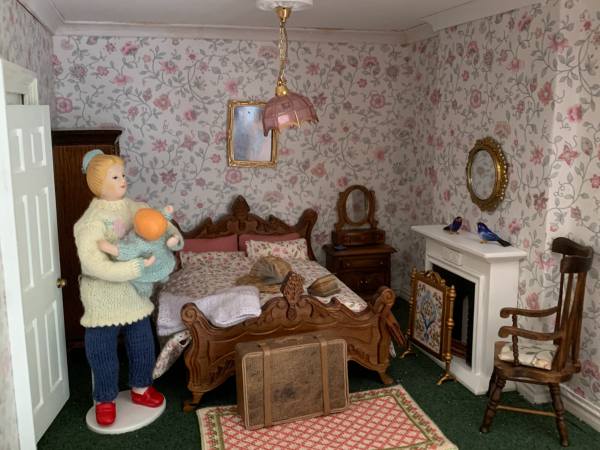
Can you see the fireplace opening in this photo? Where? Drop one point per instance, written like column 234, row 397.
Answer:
column 463, row 312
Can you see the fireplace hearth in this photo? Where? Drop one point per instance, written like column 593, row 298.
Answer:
column 486, row 278
column 464, row 307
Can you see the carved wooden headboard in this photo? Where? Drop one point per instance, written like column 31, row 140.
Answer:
column 239, row 221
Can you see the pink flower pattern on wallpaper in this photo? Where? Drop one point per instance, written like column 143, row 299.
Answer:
column 170, row 97
column 536, row 96
column 25, row 42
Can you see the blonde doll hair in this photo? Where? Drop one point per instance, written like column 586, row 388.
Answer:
column 97, row 168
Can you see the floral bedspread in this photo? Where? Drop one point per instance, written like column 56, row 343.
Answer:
column 205, row 273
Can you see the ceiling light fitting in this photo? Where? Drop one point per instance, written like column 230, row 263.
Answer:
column 287, row 109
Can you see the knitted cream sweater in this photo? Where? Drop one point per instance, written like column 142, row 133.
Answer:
column 107, row 296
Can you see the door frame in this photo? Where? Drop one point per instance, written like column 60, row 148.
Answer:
column 15, row 79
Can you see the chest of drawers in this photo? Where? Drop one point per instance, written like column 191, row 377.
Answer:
column 363, row 268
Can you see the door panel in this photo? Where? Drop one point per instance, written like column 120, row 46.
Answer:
column 37, row 249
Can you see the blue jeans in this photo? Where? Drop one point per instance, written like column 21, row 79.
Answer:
column 101, row 352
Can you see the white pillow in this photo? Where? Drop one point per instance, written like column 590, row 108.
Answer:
column 294, row 249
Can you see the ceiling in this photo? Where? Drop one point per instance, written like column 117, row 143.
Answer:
column 381, row 15
column 378, row 16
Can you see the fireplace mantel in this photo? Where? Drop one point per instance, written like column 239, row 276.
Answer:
column 495, row 272
column 470, row 243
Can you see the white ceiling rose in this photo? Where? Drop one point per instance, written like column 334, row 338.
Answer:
column 295, row 5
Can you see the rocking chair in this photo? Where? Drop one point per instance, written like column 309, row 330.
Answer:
column 549, row 358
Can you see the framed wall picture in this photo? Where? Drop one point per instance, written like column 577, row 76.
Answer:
column 247, row 145
column 430, row 320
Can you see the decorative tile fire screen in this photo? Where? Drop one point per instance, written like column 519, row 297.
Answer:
column 430, row 318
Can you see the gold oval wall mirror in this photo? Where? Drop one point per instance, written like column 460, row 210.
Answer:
column 487, row 174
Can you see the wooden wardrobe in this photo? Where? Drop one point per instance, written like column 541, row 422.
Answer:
column 72, row 198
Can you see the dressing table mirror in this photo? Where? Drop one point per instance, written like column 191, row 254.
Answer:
column 356, row 223
column 487, row 174
column 358, row 254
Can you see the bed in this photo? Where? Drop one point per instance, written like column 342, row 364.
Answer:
column 367, row 326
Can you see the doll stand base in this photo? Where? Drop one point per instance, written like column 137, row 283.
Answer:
column 130, row 417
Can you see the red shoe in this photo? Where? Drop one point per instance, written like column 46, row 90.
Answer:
column 106, row 412
column 151, row 397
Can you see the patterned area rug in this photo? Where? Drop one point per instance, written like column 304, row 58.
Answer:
column 380, row 419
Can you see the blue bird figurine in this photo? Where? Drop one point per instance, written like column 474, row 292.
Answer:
column 488, row 235
column 454, row 226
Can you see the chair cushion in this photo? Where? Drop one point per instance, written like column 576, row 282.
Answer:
column 531, row 353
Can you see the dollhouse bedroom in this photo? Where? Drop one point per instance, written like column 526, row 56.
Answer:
column 300, row 224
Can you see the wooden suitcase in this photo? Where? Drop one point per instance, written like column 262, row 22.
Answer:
column 285, row 379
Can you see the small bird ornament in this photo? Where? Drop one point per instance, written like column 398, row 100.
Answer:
column 454, row 226
column 488, row 235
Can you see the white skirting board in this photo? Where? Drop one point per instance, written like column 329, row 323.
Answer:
column 576, row 405
column 534, row 393
column 581, row 407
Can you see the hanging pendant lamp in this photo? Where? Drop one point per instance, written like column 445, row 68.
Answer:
column 287, row 109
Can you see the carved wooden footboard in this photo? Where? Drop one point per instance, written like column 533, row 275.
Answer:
column 211, row 355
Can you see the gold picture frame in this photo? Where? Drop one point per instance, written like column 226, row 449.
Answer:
column 247, row 145
column 487, row 174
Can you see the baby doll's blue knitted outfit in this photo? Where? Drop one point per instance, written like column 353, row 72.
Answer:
column 134, row 247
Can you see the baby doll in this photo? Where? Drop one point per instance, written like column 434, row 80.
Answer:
column 148, row 238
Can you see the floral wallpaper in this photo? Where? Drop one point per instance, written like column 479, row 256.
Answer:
column 22, row 41
column 8, row 432
column 170, row 97
column 574, row 194
column 529, row 79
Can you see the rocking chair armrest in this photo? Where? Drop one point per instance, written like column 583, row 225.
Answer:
column 506, row 331
column 505, row 312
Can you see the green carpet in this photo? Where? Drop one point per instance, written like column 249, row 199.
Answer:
column 451, row 406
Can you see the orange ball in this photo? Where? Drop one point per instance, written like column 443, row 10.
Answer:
column 149, row 224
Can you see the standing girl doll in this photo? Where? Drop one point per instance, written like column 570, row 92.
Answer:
column 111, row 303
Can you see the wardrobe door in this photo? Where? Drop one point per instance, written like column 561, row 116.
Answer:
column 72, row 198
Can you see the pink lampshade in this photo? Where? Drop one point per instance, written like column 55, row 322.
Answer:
column 289, row 110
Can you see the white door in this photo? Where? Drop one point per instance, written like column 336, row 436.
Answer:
column 28, row 235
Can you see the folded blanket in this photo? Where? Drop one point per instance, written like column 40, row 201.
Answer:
column 224, row 308
column 230, row 306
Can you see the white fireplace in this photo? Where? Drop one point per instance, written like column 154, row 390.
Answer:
column 494, row 272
